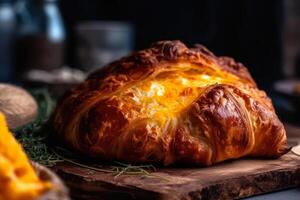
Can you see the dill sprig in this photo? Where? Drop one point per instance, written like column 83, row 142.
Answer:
column 34, row 136
column 115, row 167
column 34, row 141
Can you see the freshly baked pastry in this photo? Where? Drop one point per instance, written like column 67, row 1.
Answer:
column 18, row 180
column 170, row 104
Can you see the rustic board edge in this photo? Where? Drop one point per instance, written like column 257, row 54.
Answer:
column 232, row 188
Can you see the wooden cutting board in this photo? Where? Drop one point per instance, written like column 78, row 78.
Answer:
column 228, row 180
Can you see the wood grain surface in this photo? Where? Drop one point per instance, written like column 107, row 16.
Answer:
column 228, row 180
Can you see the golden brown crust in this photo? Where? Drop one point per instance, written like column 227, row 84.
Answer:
column 170, row 104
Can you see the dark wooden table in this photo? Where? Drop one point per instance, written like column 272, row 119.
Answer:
column 228, row 180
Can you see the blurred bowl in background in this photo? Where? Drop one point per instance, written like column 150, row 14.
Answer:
column 101, row 42
column 57, row 81
column 288, row 100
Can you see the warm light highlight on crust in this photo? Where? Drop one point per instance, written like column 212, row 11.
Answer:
column 170, row 91
column 170, row 104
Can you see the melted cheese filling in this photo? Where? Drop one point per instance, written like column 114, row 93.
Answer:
column 170, row 92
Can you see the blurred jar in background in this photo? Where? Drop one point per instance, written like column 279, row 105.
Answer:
column 7, row 30
column 101, row 42
column 291, row 39
column 40, row 36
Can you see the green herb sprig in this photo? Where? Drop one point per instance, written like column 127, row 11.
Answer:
column 34, row 136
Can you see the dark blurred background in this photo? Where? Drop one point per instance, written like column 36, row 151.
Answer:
column 250, row 31
column 39, row 38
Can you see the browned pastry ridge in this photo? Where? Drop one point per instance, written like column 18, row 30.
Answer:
column 170, row 104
